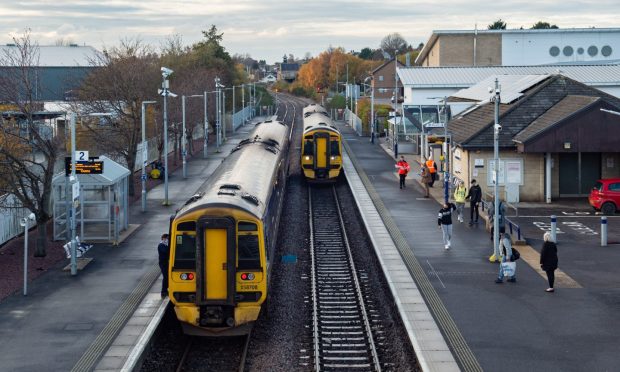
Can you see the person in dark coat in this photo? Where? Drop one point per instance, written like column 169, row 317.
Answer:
column 163, row 249
column 549, row 259
column 475, row 197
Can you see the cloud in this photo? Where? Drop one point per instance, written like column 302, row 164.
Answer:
column 270, row 28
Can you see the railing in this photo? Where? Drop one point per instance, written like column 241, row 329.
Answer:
column 354, row 121
column 9, row 218
column 512, row 226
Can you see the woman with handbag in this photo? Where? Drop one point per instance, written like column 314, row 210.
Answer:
column 507, row 262
column 549, row 259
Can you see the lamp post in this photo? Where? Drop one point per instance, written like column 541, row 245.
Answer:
column 165, row 73
column 243, row 101
column 372, row 107
column 144, row 153
column 496, row 128
column 395, row 132
column 218, row 122
column 204, row 148
column 24, row 223
column 446, row 177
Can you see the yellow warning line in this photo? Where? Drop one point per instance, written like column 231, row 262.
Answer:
column 532, row 257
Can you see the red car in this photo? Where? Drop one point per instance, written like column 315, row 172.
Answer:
column 605, row 195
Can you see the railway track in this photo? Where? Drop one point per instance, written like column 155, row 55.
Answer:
column 214, row 354
column 342, row 334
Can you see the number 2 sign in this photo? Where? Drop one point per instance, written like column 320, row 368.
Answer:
column 81, row 156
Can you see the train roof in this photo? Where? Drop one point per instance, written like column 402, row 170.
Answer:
column 319, row 120
column 245, row 179
column 313, row 107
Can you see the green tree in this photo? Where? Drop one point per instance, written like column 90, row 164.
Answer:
column 366, row 53
column 338, row 102
column 540, row 25
column 497, row 25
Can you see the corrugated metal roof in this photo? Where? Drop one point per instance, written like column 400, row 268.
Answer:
column 511, row 86
column 464, row 77
column 59, row 56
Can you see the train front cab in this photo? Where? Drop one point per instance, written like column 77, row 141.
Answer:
column 218, row 281
column 321, row 158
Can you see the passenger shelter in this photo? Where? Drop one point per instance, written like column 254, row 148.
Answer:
column 102, row 206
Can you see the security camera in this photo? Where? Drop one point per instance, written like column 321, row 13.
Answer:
column 165, row 71
column 31, row 216
column 498, row 127
column 490, row 89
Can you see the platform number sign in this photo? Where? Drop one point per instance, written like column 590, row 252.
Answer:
column 81, row 156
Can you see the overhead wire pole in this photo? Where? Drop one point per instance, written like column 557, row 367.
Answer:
column 243, row 101
column 496, row 129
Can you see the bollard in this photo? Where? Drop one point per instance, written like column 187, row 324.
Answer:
column 603, row 231
column 554, row 225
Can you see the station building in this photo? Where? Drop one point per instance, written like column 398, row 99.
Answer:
column 520, row 47
column 558, row 137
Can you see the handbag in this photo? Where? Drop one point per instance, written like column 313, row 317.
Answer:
column 509, row 268
column 515, row 255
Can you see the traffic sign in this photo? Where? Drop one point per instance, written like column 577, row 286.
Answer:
column 143, row 177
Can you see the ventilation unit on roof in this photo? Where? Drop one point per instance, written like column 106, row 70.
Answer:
column 232, row 186
column 227, row 192
column 268, row 121
column 194, row 198
column 271, row 149
column 271, row 142
column 250, row 198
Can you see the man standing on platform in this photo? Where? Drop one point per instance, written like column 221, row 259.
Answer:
column 432, row 168
column 475, row 197
column 163, row 249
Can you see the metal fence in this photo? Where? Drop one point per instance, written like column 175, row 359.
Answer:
column 354, row 121
column 9, row 218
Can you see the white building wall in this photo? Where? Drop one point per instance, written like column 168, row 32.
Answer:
column 533, row 48
column 426, row 96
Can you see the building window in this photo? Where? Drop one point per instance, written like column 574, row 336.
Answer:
column 606, row 51
column 592, row 51
column 554, row 51
column 579, row 50
column 568, row 51
column 380, row 77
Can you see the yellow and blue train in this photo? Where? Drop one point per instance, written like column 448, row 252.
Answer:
column 223, row 239
column 321, row 146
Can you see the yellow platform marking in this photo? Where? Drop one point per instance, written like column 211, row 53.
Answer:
column 532, row 258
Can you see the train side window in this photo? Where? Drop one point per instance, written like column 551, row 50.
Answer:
column 185, row 252
column 248, row 253
column 308, row 147
column 335, row 148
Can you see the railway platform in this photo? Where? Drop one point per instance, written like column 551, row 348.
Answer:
column 68, row 323
column 488, row 326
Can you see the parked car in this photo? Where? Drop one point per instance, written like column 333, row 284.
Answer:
column 605, row 195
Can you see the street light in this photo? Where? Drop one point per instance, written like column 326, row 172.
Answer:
column 165, row 73
column 372, row 107
column 144, row 153
column 218, row 122
column 395, row 132
column 496, row 129
column 24, row 223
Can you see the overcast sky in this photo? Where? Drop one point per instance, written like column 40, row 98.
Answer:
column 268, row 29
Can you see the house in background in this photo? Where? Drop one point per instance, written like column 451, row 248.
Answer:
column 383, row 82
column 269, row 78
column 521, row 47
column 555, row 139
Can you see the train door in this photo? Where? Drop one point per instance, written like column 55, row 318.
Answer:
column 321, row 154
column 215, row 271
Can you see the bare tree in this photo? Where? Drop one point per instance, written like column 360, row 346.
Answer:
column 23, row 139
column 127, row 76
column 393, row 42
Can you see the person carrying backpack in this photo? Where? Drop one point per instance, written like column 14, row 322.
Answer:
column 475, row 197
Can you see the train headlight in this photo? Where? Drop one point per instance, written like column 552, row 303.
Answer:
column 333, row 158
column 307, row 157
column 187, row 276
column 247, row 276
